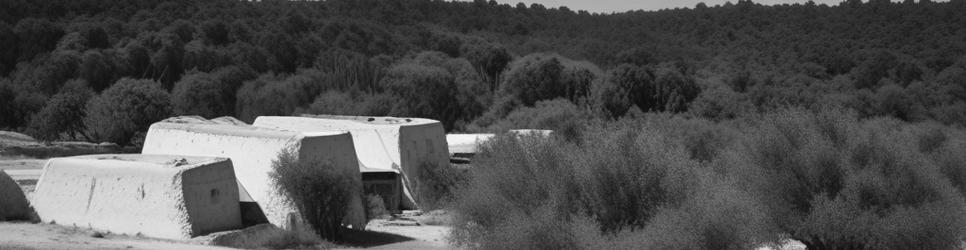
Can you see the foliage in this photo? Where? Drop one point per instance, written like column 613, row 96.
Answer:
column 500, row 57
column 437, row 184
column 422, row 91
column 200, row 94
column 63, row 114
column 621, row 187
column 319, row 191
column 833, row 181
column 557, row 115
column 826, row 178
column 125, row 108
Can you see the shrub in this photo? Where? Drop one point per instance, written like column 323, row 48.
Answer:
column 833, row 182
column 622, row 186
column 436, row 185
column 125, row 108
column 720, row 103
column 375, row 207
column 319, row 191
column 553, row 114
column 825, row 178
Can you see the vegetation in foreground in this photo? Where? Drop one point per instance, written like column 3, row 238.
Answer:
column 828, row 179
column 320, row 192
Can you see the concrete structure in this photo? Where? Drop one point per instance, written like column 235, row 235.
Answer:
column 467, row 145
column 252, row 150
column 384, row 145
column 163, row 196
column 13, row 203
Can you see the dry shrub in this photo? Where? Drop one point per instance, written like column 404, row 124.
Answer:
column 833, row 181
column 620, row 187
column 375, row 207
column 436, row 185
column 320, row 191
column 825, row 178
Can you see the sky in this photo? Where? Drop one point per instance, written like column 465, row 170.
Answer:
column 608, row 6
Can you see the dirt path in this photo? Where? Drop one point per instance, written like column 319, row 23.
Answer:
column 45, row 236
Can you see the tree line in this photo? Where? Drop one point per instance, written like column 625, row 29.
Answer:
column 104, row 70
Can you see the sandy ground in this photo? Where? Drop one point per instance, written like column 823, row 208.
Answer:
column 382, row 234
column 45, row 236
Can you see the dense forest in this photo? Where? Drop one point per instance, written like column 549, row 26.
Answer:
column 104, row 70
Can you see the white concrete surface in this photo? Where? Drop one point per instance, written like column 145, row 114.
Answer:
column 163, row 196
column 466, row 143
column 252, row 150
column 383, row 144
column 470, row 143
column 13, row 203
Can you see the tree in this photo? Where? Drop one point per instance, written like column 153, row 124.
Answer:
column 533, row 78
column 9, row 48
column 63, row 114
column 271, row 94
column 126, row 108
column 96, row 69
column 201, row 94
column 8, row 112
column 488, row 59
column 215, row 32
column 37, row 36
column 334, row 102
column 673, row 90
column 422, row 91
column 623, row 87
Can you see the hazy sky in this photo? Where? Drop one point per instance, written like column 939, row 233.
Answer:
column 608, row 6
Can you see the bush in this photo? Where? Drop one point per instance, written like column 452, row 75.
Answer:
column 127, row 107
column 833, row 181
column 825, row 178
column 620, row 187
column 437, row 184
column 558, row 115
column 319, row 191
column 375, row 207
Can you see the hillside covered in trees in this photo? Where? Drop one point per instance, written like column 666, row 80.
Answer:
column 103, row 70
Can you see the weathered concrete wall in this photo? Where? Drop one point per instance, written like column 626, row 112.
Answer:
column 164, row 196
column 13, row 203
column 253, row 150
column 383, row 144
